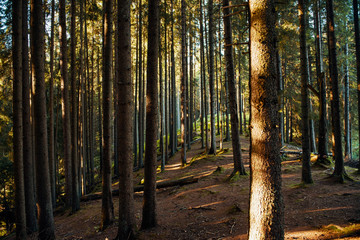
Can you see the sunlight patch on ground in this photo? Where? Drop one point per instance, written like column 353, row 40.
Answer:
column 327, row 209
column 206, row 205
column 172, row 167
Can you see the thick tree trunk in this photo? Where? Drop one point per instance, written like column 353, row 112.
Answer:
column 65, row 103
column 339, row 171
column 107, row 207
column 238, row 164
column 305, row 139
column 30, row 203
column 266, row 205
column 46, row 219
column 149, row 208
column 18, row 121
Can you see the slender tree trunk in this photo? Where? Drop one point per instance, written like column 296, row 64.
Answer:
column 65, row 103
column 191, row 91
column 46, row 219
column 266, row 205
column 30, row 203
column 306, row 170
column 167, row 84
column 162, row 106
column 99, row 111
column 212, row 149
column 107, row 203
column 238, row 164
column 347, row 107
column 51, row 110
column 339, row 171
column 141, row 93
column 357, row 44
column 202, row 80
column 311, row 120
column 18, row 121
column 281, row 89
column 149, row 208
column 183, row 83
column 125, row 131
column 75, row 206
column 323, row 135
column 173, row 85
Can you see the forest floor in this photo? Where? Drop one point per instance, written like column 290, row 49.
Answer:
column 214, row 208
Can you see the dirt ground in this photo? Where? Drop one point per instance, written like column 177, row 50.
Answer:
column 214, row 208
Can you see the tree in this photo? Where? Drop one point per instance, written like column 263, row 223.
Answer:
column 30, row 203
column 357, row 46
column 339, row 171
column 65, row 102
column 183, row 84
column 306, row 170
column 149, row 207
column 266, row 205
column 107, row 203
column 46, row 219
column 238, row 164
column 212, row 149
column 18, row 122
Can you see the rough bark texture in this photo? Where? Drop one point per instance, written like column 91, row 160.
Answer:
column 30, row 204
column 238, row 164
column 212, row 149
column 183, row 84
column 107, row 208
column 18, row 122
column 46, row 219
column 125, row 131
column 65, row 102
column 305, row 139
column 339, row 171
column 266, row 205
column 149, row 208
column 357, row 44
column 75, row 202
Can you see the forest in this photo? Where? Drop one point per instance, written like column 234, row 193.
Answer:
column 179, row 119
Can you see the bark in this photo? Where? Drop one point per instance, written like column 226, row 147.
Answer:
column 173, row 137
column 266, row 204
column 167, row 85
column 125, row 131
column 323, row 129
column 141, row 93
column 46, row 219
column 238, row 164
column 30, row 204
column 311, row 120
column 75, row 202
column 357, row 46
column 162, row 106
column 202, row 80
column 107, row 207
column 51, row 110
column 347, row 107
column 339, row 171
column 183, row 84
column 305, row 139
column 281, row 99
column 212, row 149
column 18, row 121
column 149, row 207
column 65, row 103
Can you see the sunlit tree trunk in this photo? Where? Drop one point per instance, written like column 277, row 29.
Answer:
column 202, row 80
column 18, row 121
column 183, row 83
column 266, row 205
column 46, row 219
column 149, row 207
column 141, row 93
column 306, row 170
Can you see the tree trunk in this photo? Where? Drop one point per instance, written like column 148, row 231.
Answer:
column 18, row 121
column 357, row 44
column 65, row 103
column 46, row 219
column 107, row 207
column 347, row 107
column 266, row 205
column 238, row 164
column 149, row 208
column 30, row 203
column 339, row 171
column 75, row 206
column 141, row 93
column 306, row 170
column 183, row 84
column 212, row 149
column 202, row 80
